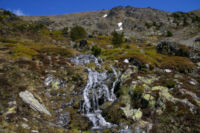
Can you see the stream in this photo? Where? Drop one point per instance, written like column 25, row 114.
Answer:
column 96, row 89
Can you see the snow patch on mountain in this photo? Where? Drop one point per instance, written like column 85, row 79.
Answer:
column 120, row 26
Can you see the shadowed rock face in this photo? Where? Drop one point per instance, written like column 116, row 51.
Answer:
column 172, row 48
column 138, row 13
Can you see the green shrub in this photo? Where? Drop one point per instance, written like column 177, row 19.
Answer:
column 148, row 25
column 8, row 13
column 117, row 38
column 127, row 46
column 77, row 32
column 154, row 24
column 65, row 31
column 169, row 34
column 96, row 51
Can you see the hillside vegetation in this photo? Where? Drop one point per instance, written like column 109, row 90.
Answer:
column 159, row 89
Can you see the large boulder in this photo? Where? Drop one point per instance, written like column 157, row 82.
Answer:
column 114, row 12
column 172, row 48
column 28, row 98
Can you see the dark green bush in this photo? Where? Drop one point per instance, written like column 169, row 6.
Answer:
column 77, row 32
column 8, row 13
column 154, row 24
column 127, row 46
column 148, row 25
column 96, row 51
column 65, row 31
column 117, row 38
column 169, row 34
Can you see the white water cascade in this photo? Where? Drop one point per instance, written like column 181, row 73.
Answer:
column 96, row 90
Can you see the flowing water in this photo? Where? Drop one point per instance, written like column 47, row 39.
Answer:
column 95, row 90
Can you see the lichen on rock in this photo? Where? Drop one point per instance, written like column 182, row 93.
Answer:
column 164, row 93
column 148, row 80
column 134, row 114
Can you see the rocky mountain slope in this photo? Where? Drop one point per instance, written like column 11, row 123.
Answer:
column 196, row 12
column 135, row 22
column 53, row 83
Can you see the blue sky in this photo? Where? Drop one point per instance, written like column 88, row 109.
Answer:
column 51, row 7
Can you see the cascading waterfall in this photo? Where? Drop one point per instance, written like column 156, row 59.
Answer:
column 95, row 90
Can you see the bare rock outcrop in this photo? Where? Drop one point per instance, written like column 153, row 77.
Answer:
column 28, row 98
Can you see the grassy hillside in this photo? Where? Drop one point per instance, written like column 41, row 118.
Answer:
column 162, row 85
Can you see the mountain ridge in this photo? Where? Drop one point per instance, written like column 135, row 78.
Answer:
column 135, row 22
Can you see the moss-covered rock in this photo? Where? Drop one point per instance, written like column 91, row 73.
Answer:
column 114, row 114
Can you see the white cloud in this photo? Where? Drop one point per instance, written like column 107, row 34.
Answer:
column 19, row 12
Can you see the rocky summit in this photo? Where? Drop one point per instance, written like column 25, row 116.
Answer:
column 124, row 70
